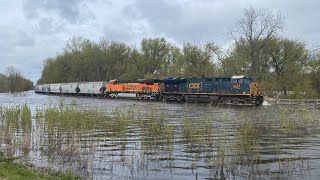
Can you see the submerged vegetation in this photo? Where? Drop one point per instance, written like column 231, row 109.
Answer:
column 140, row 141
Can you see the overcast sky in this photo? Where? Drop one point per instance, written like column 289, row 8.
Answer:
column 32, row 30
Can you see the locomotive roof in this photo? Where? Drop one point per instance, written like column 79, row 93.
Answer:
column 183, row 79
column 149, row 80
column 136, row 81
column 237, row 77
column 178, row 79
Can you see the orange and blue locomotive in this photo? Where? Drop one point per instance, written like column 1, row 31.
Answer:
column 223, row 90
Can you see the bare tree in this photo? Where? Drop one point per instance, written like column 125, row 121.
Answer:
column 14, row 76
column 253, row 32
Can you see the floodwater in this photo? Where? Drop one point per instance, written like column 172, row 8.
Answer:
column 197, row 141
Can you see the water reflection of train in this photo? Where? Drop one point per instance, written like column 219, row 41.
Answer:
column 224, row 90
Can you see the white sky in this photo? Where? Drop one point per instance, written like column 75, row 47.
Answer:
column 32, row 30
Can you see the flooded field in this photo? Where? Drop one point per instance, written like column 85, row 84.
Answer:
column 128, row 139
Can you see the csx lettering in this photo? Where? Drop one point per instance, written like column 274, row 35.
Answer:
column 194, row 85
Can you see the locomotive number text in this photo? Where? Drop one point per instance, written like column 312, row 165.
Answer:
column 236, row 86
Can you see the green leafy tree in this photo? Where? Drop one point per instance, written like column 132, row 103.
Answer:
column 134, row 67
column 288, row 62
column 236, row 61
column 175, row 62
column 314, row 75
column 199, row 60
column 118, row 55
column 155, row 53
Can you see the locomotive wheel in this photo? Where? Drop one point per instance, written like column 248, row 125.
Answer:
column 186, row 98
column 221, row 100
column 235, row 101
column 159, row 98
column 224, row 100
column 179, row 98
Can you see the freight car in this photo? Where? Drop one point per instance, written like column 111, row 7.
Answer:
column 38, row 88
column 54, row 88
column 45, row 88
column 81, row 88
column 69, row 88
column 92, row 88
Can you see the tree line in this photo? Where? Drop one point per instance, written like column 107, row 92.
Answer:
column 13, row 81
column 85, row 60
column 259, row 50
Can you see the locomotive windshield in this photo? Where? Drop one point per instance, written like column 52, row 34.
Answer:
column 240, row 80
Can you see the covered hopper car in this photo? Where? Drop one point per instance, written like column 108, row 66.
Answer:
column 92, row 88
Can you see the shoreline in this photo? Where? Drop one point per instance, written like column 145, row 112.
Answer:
column 14, row 170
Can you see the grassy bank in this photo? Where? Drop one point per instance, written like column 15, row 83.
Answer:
column 11, row 171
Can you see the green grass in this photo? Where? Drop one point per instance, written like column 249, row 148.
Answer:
column 12, row 171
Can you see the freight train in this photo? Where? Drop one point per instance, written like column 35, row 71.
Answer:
column 240, row 90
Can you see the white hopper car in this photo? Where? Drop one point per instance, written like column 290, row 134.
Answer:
column 45, row 88
column 55, row 88
column 92, row 88
column 81, row 88
column 69, row 88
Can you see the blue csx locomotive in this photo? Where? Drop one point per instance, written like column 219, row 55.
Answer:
column 224, row 90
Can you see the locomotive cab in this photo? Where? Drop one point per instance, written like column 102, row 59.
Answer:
column 113, row 88
column 114, row 81
column 245, row 85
